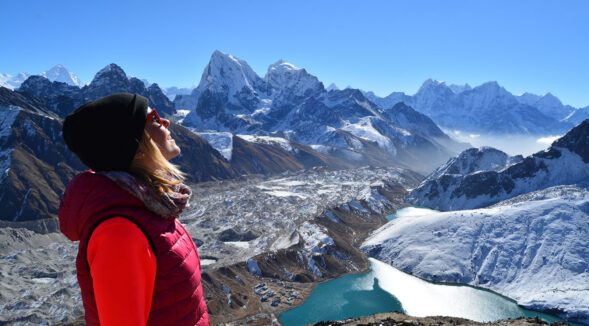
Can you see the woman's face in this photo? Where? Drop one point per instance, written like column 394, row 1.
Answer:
column 157, row 128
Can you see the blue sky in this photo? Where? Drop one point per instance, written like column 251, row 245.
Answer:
column 383, row 46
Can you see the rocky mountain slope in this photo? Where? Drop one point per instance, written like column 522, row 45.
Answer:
column 533, row 248
column 578, row 115
column 35, row 165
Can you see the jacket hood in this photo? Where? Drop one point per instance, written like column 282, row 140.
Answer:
column 89, row 194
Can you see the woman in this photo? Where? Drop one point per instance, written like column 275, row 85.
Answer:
column 136, row 263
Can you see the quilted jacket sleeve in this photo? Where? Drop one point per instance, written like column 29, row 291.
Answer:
column 123, row 266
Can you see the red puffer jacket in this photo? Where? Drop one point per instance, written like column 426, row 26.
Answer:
column 177, row 296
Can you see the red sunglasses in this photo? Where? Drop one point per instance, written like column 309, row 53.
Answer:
column 153, row 116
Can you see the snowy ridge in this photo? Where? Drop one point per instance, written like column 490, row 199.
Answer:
column 332, row 87
column 221, row 141
column 482, row 188
column 365, row 130
column 60, row 74
column 457, row 89
column 57, row 73
column 13, row 82
column 179, row 116
column 171, row 92
column 533, row 248
column 548, row 104
column 578, row 115
column 290, row 80
column 453, row 188
column 487, row 109
column 473, row 160
column 282, row 142
column 8, row 115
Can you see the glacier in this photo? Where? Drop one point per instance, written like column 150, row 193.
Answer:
column 533, row 248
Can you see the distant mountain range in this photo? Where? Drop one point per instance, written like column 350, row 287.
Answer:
column 485, row 109
column 57, row 73
column 233, row 123
column 292, row 104
column 488, row 109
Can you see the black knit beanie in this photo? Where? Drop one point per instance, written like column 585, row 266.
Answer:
column 105, row 133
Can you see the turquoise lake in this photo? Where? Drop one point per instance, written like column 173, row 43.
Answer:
column 386, row 289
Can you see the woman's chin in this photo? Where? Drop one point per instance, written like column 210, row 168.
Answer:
column 173, row 153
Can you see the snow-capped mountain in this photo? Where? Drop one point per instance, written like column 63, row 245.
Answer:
column 13, row 82
column 332, row 87
column 289, row 102
column 453, row 187
column 486, row 109
column 533, row 248
column 388, row 101
column 57, row 73
column 290, row 84
column 63, row 98
column 459, row 88
column 233, row 79
column 548, row 104
column 578, row 115
column 60, row 74
column 172, row 92
column 474, row 160
column 59, row 97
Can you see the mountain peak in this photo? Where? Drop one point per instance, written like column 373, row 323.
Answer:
column 110, row 69
column 219, row 58
column 282, row 65
column 431, row 85
column 491, row 85
column 333, row 87
column 493, row 88
column 550, row 98
column 433, row 82
column 218, row 53
column 110, row 77
column 457, row 89
column 60, row 74
column 472, row 160
column 229, row 75
column 283, row 75
column 13, row 82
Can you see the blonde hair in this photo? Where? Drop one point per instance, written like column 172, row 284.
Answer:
column 154, row 168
